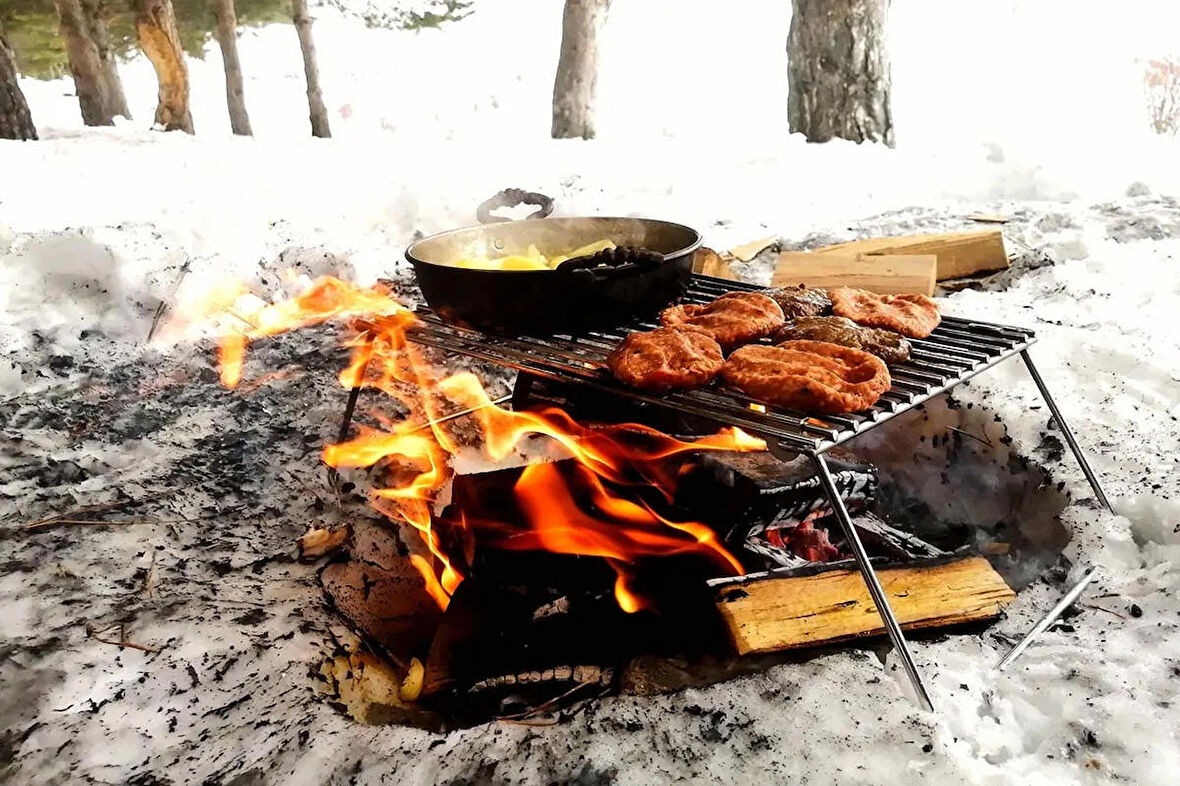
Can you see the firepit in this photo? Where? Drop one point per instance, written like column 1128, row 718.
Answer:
column 580, row 517
column 956, row 351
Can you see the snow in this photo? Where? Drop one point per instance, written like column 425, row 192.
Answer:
column 96, row 227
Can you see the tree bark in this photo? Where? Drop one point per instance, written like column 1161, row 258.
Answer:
column 576, row 84
column 85, row 63
column 227, row 37
column 315, row 100
column 15, row 121
column 155, row 23
column 839, row 71
column 95, row 12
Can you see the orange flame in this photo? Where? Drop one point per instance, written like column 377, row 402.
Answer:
column 575, row 515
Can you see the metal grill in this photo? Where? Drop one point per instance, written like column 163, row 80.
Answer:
column 957, row 350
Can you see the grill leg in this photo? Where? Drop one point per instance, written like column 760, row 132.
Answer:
column 875, row 590
column 1073, row 445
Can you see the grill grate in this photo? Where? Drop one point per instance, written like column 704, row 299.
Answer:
column 956, row 351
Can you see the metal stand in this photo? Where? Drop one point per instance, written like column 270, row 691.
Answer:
column 1065, row 432
column 875, row 590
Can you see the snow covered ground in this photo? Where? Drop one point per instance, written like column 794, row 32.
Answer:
column 95, row 227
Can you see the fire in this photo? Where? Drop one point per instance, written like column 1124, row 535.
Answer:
column 578, row 512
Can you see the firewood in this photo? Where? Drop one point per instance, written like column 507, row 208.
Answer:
column 959, row 253
column 708, row 262
column 778, row 613
column 317, row 542
column 747, row 251
column 888, row 275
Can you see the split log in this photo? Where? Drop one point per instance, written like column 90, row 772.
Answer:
column 155, row 23
column 778, row 613
column 959, row 253
column 887, row 275
column 708, row 262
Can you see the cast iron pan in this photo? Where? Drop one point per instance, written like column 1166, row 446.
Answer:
column 552, row 301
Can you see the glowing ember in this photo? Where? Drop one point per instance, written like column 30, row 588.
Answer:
column 575, row 513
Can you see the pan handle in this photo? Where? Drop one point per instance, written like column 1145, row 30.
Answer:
column 511, row 197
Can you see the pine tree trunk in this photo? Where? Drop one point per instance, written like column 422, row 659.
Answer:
column 155, row 23
column 116, row 101
column 576, row 84
column 315, row 100
column 15, row 121
column 839, row 71
column 85, row 63
column 227, row 36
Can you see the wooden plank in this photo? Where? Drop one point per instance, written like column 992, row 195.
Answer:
column 959, row 253
column 888, row 275
column 773, row 614
column 747, row 251
column 708, row 262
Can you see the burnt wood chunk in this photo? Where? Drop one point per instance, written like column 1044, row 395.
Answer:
column 779, row 613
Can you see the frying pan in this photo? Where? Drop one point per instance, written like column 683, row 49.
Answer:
column 544, row 302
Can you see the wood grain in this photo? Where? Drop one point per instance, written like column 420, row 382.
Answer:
column 886, row 275
column 959, row 253
column 773, row 614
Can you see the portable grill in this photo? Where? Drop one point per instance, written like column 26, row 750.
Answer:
column 957, row 350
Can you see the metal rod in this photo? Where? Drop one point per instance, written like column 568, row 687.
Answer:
column 875, row 590
column 353, row 395
column 1065, row 432
column 1047, row 620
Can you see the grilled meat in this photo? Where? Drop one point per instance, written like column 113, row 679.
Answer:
column 666, row 359
column 809, row 376
column 885, row 344
column 733, row 319
column 915, row 316
column 800, row 301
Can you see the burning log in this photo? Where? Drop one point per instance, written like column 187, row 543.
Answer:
column 791, row 611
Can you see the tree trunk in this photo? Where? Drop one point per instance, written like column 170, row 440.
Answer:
column 227, row 36
column 577, row 69
column 116, row 101
column 315, row 101
column 839, row 71
column 155, row 23
column 85, row 63
column 15, row 121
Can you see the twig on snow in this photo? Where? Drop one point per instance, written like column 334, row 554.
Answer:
column 122, row 641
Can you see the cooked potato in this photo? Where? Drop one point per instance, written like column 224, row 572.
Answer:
column 532, row 259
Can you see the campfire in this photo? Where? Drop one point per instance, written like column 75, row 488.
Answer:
column 541, row 552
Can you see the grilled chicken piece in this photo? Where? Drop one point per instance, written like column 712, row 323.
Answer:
column 800, row 301
column 885, row 344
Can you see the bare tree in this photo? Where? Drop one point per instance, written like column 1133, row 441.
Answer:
column 155, row 24
column 227, row 37
column 839, row 71
column 95, row 12
column 15, row 121
column 1161, row 82
column 85, row 63
column 576, row 84
column 315, row 100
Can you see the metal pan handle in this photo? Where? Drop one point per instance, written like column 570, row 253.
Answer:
column 511, row 197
